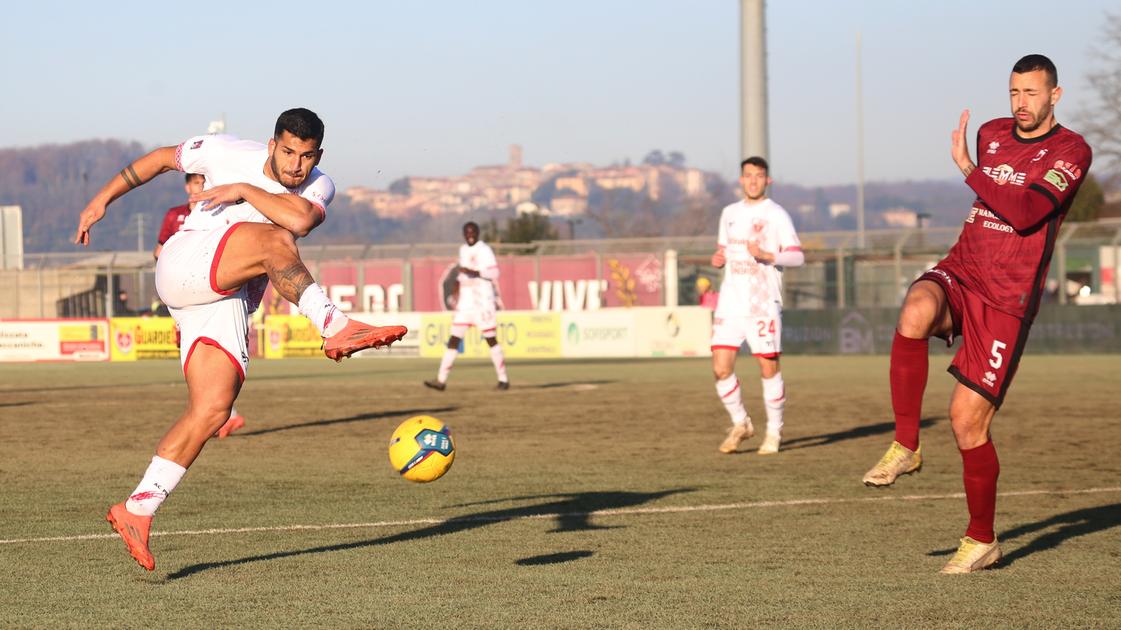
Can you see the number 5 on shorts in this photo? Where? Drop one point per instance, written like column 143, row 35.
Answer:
column 998, row 359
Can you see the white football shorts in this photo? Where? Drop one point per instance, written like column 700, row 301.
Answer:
column 223, row 324
column 187, row 270
column 485, row 319
column 762, row 334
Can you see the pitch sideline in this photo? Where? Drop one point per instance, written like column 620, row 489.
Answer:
column 612, row 512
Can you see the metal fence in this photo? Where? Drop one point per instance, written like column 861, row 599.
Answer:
column 837, row 273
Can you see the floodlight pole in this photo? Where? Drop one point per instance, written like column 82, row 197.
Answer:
column 753, row 80
column 860, row 242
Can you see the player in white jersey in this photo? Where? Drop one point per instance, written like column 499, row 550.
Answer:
column 756, row 241
column 241, row 231
column 476, row 305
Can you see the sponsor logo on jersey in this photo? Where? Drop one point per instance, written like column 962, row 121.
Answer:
column 1056, row 179
column 1070, row 169
column 1005, row 174
column 991, row 221
column 196, row 144
column 993, row 146
column 947, row 278
column 1039, row 156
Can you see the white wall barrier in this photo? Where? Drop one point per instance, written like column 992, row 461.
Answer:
column 54, row 340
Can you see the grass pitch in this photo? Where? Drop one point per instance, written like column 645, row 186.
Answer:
column 589, row 495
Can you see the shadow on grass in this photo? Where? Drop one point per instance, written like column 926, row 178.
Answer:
column 359, row 418
column 571, row 512
column 825, row 439
column 568, row 384
column 22, row 403
column 553, row 558
column 1070, row 525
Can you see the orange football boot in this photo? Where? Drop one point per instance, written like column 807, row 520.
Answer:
column 133, row 529
column 358, row 336
column 232, row 424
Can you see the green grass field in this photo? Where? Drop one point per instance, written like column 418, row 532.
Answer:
column 589, row 495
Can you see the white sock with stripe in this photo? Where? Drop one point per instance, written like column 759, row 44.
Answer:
column 774, row 399
column 446, row 364
column 316, row 306
column 499, row 361
column 159, row 480
column 729, row 392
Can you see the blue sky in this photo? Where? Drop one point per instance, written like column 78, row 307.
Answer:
column 435, row 87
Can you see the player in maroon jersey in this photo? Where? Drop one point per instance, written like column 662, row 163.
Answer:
column 174, row 217
column 986, row 290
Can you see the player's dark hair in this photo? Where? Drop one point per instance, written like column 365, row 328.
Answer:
column 1031, row 63
column 471, row 224
column 757, row 162
column 189, row 176
column 300, row 122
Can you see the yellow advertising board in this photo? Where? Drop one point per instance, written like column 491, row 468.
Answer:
column 291, row 336
column 136, row 338
column 522, row 334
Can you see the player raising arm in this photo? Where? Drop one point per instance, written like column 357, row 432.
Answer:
column 987, row 290
column 211, row 274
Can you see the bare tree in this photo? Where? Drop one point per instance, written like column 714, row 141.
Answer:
column 1100, row 122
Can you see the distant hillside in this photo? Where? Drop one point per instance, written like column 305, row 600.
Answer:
column 53, row 183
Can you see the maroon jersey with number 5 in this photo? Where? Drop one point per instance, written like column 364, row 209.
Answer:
column 1024, row 188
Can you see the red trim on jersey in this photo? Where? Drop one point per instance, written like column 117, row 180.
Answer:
column 322, row 210
column 736, row 348
column 767, row 355
column 179, row 157
column 217, row 257
column 794, row 248
column 210, row 342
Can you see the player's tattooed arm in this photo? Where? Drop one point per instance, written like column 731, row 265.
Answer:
column 136, row 174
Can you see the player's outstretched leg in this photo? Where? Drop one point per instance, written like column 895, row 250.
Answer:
column 896, row 462
column 133, row 530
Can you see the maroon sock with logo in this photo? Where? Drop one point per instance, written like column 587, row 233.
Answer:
column 980, row 469
column 909, row 368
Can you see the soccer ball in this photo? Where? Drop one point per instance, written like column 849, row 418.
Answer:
column 421, row 449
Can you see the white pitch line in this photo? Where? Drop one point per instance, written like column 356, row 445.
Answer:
column 611, row 512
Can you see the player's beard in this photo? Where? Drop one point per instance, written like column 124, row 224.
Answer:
column 279, row 176
column 1037, row 119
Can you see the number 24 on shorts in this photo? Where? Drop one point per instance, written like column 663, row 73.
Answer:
column 766, row 327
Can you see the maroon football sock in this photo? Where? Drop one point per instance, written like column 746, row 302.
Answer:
column 980, row 471
column 909, row 367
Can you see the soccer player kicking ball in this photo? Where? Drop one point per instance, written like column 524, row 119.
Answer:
column 477, row 305
column 212, row 273
column 756, row 240
column 173, row 220
column 986, row 290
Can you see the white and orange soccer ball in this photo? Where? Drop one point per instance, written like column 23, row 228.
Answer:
column 422, row 449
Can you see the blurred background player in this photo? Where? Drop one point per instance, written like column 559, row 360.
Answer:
column 173, row 220
column 706, row 295
column 987, row 290
column 756, row 240
column 476, row 305
column 242, row 230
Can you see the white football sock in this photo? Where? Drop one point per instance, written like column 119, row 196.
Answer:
column 774, row 399
column 446, row 364
column 233, row 412
column 499, row 361
column 729, row 392
column 327, row 317
column 159, row 480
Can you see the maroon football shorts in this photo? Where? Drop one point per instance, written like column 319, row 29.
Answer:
column 992, row 340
